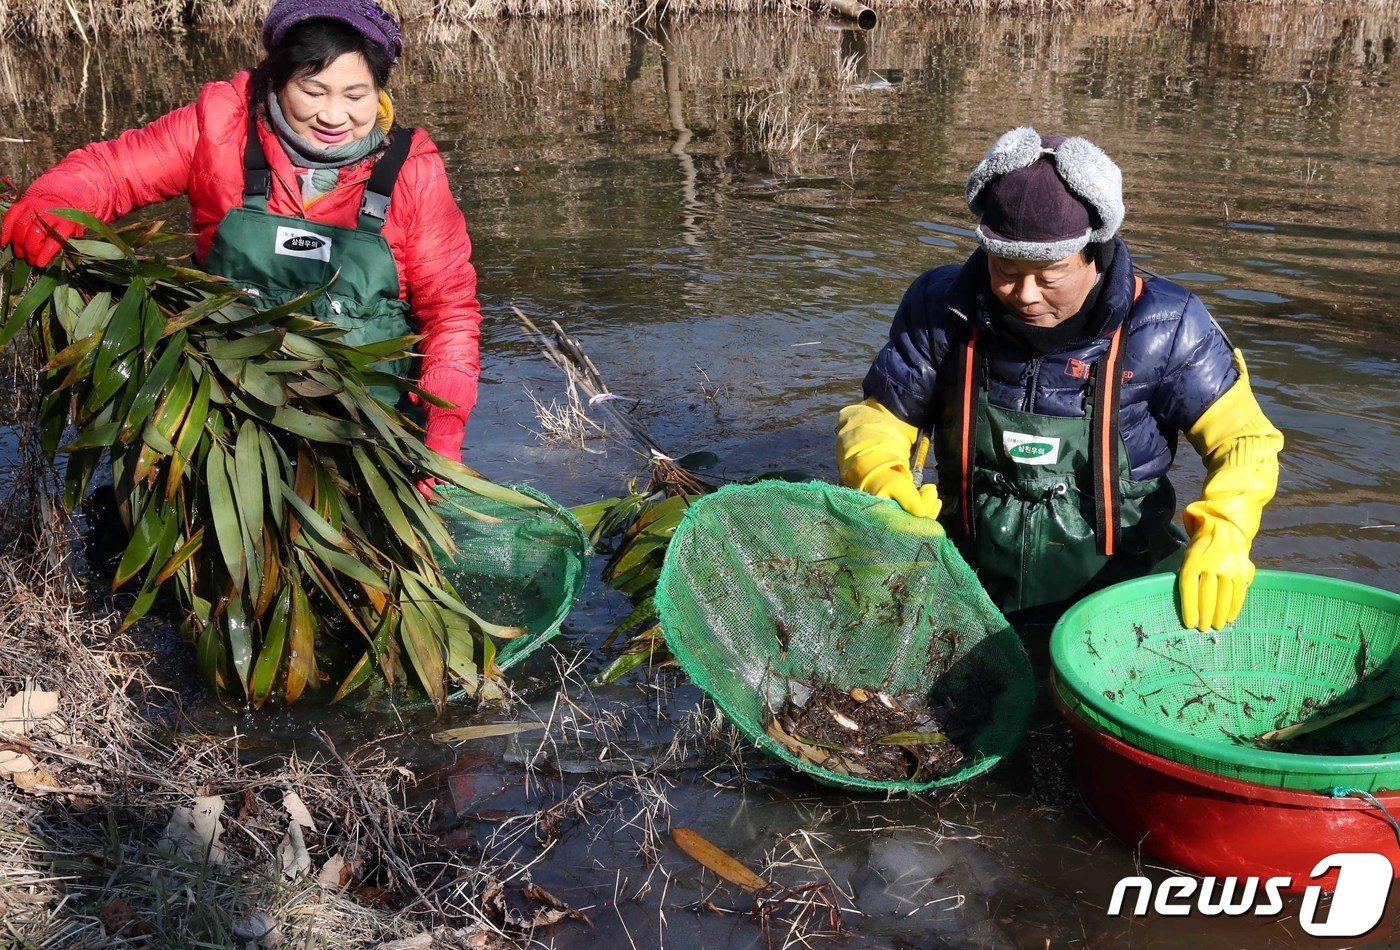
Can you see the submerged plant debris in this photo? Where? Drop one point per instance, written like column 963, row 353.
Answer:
column 869, row 734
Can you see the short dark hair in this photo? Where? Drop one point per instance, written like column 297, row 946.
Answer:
column 311, row 46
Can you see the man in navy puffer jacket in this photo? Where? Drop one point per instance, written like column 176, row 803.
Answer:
column 1055, row 383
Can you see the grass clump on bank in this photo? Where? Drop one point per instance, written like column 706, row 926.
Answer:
column 88, row 852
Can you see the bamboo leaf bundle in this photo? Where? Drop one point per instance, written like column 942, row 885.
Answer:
column 256, row 473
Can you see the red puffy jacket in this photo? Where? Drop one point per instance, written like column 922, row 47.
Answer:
column 197, row 151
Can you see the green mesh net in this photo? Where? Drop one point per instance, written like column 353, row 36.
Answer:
column 518, row 567
column 769, row 584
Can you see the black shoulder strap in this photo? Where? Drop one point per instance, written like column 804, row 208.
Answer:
column 257, row 176
column 379, row 190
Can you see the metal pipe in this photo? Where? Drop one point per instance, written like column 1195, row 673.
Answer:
column 863, row 16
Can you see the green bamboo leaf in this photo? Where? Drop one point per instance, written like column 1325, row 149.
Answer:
column 191, row 432
column 620, row 667
column 94, row 316
column 662, row 517
column 81, row 466
column 123, row 330
column 40, row 293
column 240, row 639
column 243, row 347
column 248, row 477
column 224, row 513
column 98, row 249
column 273, row 648
column 74, row 353
column 370, row 661
column 301, row 661
column 252, row 532
column 153, row 325
column 94, row 223
column 107, row 385
column 53, row 415
column 588, row 516
column 154, row 385
column 642, row 582
column 340, row 561
column 261, row 386
column 424, row 654
column 461, row 476
column 67, row 304
column 272, row 470
column 142, row 546
column 630, row 557
column 14, row 274
column 387, row 349
column 315, row 428
column 388, row 501
column 202, row 310
column 178, row 559
column 311, row 519
column 209, row 653
column 94, row 436
column 147, row 595
column 287, row 366
column 618, row 517
column 644, row 613
column 151, row 436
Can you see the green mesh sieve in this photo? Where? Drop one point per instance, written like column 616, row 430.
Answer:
column 1303, row 647
column 520, row 567
column 773, row 582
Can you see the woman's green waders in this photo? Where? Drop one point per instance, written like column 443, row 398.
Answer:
column 1046, row 510
column 278, row 258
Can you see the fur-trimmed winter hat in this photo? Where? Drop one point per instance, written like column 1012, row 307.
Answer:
column 1042, row 198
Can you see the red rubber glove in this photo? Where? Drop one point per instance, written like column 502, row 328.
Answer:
column 427, row 486
column 24, row 230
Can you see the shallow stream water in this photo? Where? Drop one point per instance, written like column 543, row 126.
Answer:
column 725, row 214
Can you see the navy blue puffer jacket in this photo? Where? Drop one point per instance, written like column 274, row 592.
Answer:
column 1176, row 359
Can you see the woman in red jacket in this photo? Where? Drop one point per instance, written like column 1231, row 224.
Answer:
column 297, row 177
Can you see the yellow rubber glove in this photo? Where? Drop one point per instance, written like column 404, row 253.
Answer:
column 1240, row 447
column 873, row 447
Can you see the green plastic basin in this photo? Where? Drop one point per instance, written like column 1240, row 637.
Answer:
column 1302, row 648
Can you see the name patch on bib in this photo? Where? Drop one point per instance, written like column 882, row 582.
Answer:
column 1031, row 449
column 296, row 243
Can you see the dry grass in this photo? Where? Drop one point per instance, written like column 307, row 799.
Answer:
column 82, row 863
column 88, row 21
column 565, row 423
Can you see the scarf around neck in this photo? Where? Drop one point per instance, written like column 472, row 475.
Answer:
column 323, row 164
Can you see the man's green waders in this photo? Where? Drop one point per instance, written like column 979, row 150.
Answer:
column 1046, row 509
column 278, row 257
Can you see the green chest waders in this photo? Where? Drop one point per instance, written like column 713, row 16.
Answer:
column 1046, row 509
column 278, row 257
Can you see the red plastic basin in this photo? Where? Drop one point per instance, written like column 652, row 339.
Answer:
column 1211, row 825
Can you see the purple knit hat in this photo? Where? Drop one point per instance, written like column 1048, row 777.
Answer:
column 365, row 16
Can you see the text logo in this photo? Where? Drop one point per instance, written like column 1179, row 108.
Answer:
column 1358, row 901
column 1031, row 449
column 294, row 243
